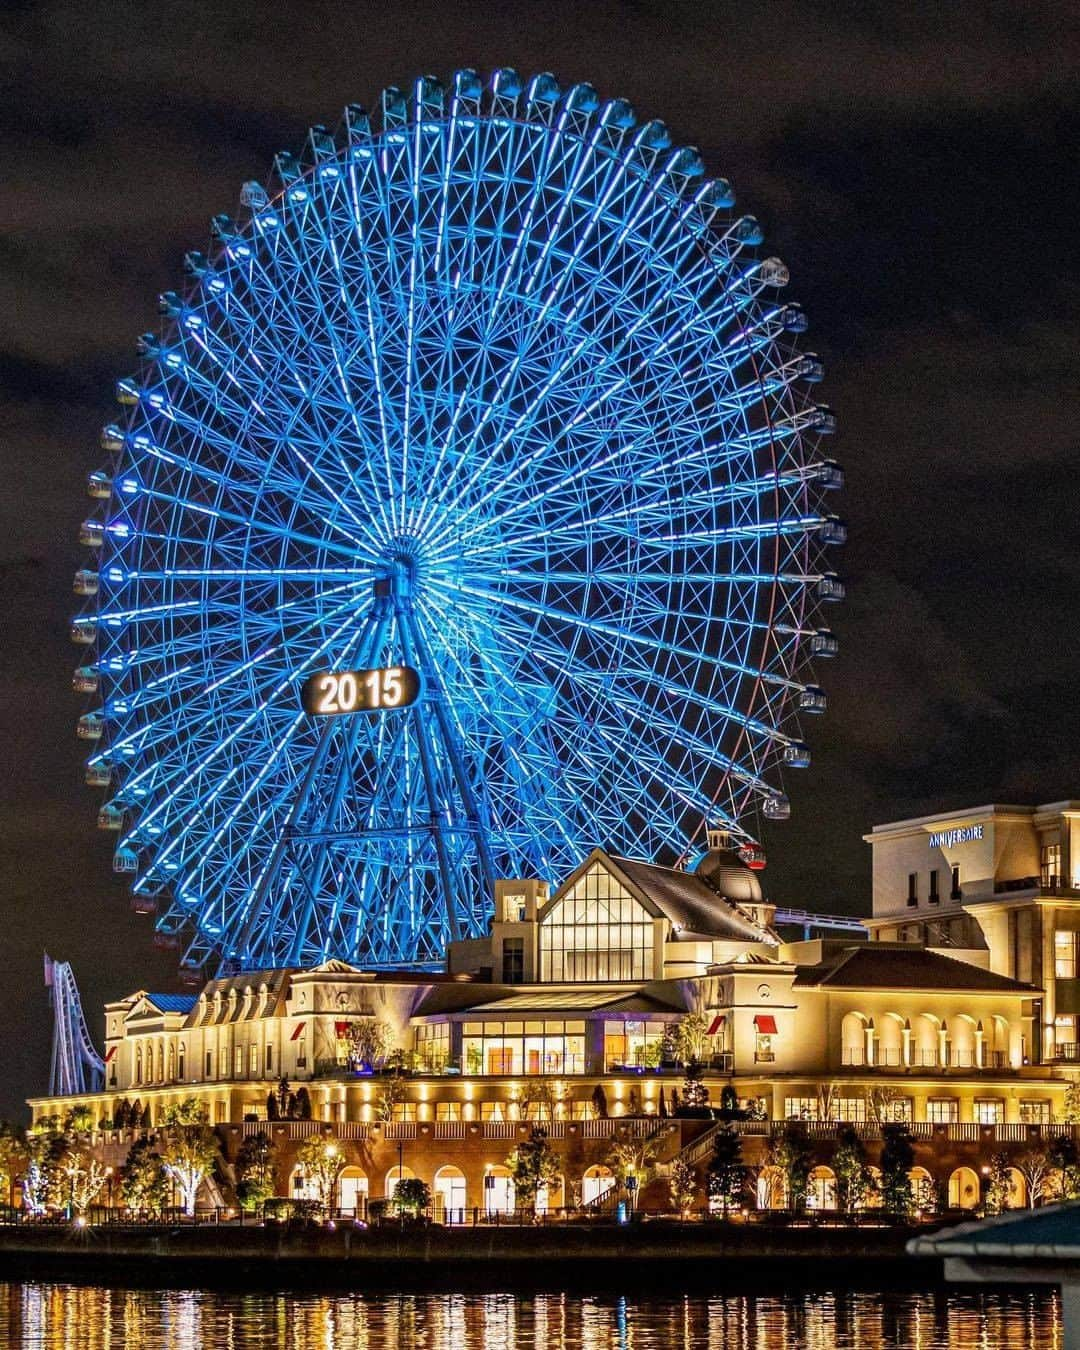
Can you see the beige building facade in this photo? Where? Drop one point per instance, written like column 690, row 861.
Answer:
column 999, row 887
column 571, row 1012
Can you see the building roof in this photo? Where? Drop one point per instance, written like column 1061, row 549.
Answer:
column 880, row 965
column 177, row 1003
column 688, row 901
column 1052, row 1233
column 495, row 998
column 609, row 1000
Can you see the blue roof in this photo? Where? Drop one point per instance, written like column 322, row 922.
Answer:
column 1052, row 1233
column 173, row 1002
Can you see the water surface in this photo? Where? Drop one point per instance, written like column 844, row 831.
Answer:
column 90, row 1317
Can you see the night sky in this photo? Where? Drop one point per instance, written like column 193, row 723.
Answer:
column 915, row 165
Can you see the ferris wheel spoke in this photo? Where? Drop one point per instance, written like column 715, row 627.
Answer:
column 613, row 631
column 301, row 668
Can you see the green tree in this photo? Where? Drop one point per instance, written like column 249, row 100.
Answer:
column 690, row 1038
column 189, row 1148
column 1065, row 1176
column 695, row 1095
column 1000, row 1185
column 791, row 1153
column 1070, row 1112
column 854, row 1180
column 897, row 1160
column 725, row 1175
column 370, row 1042
column 144, row 1183
column 255, row 1171
column 411, row 1197
column 323, row 1161
column 533, row 1164
column 682, row 1186
column 393, row 1093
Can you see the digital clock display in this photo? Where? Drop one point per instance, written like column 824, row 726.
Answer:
column 332, row 693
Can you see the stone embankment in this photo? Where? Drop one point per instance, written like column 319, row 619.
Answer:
column 661, row 1255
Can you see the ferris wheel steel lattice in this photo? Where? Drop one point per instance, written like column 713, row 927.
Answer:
column 496, row 385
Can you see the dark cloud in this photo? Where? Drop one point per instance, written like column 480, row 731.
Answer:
column 913, row 164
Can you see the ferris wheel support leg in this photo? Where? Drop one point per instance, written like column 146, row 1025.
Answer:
column 271, row 876
column 464, row 786
column 313, row 883
column 438, row 809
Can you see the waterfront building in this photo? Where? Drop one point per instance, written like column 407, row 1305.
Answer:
column 572, row 1010
column 999, row 887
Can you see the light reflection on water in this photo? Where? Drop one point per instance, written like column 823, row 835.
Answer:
column 72, row 1317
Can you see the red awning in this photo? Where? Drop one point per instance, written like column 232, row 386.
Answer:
column 341, row 1030
column 716, row 1026
column 109, row 1053
column 766, row 1024
column 298, row 1032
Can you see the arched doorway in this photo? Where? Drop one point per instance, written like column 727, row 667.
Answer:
column 448, row 1193
column 301, row 1186
column 771, row 1189
column 821, row 1190
column 550, row 1197
column 963, row 1189
column 853, row 1039
column 352, row 1191
column 923, row 1190
column 499, row 1195
column 394, row 1176
column 596, row 1181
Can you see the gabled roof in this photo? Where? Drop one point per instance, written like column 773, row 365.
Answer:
column 878, row 965
column 167, row 1003
column 686, row 900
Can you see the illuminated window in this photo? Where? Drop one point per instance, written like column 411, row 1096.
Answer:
column 404, row 1111
column 989, row 1111
column 1065, row 955
column 253, row 1061
column 943, row 1110
column 1035, row 1113
column 492, row 1111
column 800, row 1108
column 447, row 1110
column 431, row 1040
column 1050, row 865
column 633, row 1044
column 535, row 1047
column 598, row 931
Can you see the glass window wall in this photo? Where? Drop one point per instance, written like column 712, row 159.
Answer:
column 597, row 932
column 534, row 1047
column 633, row 1044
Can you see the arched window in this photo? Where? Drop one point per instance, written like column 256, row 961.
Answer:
column 596, row 1180
column 448, row 1192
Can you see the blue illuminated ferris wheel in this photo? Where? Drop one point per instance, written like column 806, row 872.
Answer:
column 496, row 386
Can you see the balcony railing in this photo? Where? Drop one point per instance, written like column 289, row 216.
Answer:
column 1067, row 1052
column 854, row 1057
